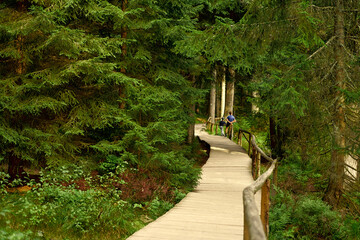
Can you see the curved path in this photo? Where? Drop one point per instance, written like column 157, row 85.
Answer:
column 214, row 210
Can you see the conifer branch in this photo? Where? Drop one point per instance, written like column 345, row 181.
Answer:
column 318, row 50
column 322, row 8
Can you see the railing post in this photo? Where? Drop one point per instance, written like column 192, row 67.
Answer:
column 240, row 138
column 275, row 174
column 253, row 158
column 265, row 205
column 216, row 129
column 258, row 164
column 246, row 230
column 249, row 144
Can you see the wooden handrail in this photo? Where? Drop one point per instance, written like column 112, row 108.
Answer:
column 251, row 214
column 255, row 225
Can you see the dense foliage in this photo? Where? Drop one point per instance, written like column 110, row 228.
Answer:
column 94, row 84
column 106, row 91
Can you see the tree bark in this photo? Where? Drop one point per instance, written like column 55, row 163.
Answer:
column 218, row 98
column 254, row 108
column 223, row 92
column 15, row 163
column 191, row 128
column 15, row 167
column 230, row 92
column 122, row 94
column 273, row 138
column 213, row 97
column 336, row 178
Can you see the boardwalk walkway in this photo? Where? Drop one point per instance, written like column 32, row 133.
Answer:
column 214, row 210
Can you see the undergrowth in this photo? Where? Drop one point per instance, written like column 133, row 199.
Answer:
column 297, row 210
column 110, row 202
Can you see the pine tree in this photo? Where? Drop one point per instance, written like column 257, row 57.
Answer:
column 60, row 103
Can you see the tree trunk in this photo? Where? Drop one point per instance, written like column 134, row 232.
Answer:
column 273, row 137
column 218, row 98
column 336, row 178
column 277, row 138
column 230, row 92
column 122, row 94
column 213, row 97
column 191, row 128
column 223, row 92
column 255, row 108
column 16, row 166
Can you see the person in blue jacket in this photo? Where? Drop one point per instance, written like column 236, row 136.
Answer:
column 230, row 119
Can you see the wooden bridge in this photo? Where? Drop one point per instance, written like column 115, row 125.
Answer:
column 215, row 209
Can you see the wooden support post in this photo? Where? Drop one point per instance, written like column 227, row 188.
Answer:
column 258, row 164
column 275, row 174
column 240, row 138
column 249, row 144
column 265, row 205
column 246, row 229
column 253, row 158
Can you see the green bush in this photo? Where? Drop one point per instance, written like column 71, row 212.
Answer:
column 112, row 164
column 158, row 207
column 280, row 217
column 315, row 219
column 308, row 218
column 67, row 202
column 4, row 181
column 70, row 209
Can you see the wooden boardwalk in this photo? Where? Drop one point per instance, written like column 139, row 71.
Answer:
column 214, row 210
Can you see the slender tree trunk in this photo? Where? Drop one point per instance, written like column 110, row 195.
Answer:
column 191, row 128
column 122, row 94
column 218, row 98
column 335, row 187
column 16, row 166
column 223, row 92
column 358, row 171
column 15, row 163
column 230, row 92
column 213, row 97
column 273, row 137
column 254, row 108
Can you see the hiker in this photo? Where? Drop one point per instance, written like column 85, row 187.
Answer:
column 230, row 119
column 221, row 125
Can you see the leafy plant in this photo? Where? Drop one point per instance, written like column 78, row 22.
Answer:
column 112, row 164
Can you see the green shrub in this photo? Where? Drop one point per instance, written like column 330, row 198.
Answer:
column 280, row 217
column 315, row 219
column 308, row 218
column 158, row 207
column 4, row 181
column 112, row 164
column 70, row 209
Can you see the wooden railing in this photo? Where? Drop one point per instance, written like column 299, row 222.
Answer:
column 256, row 226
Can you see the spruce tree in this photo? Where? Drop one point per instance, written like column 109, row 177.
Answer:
column 76, row 88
